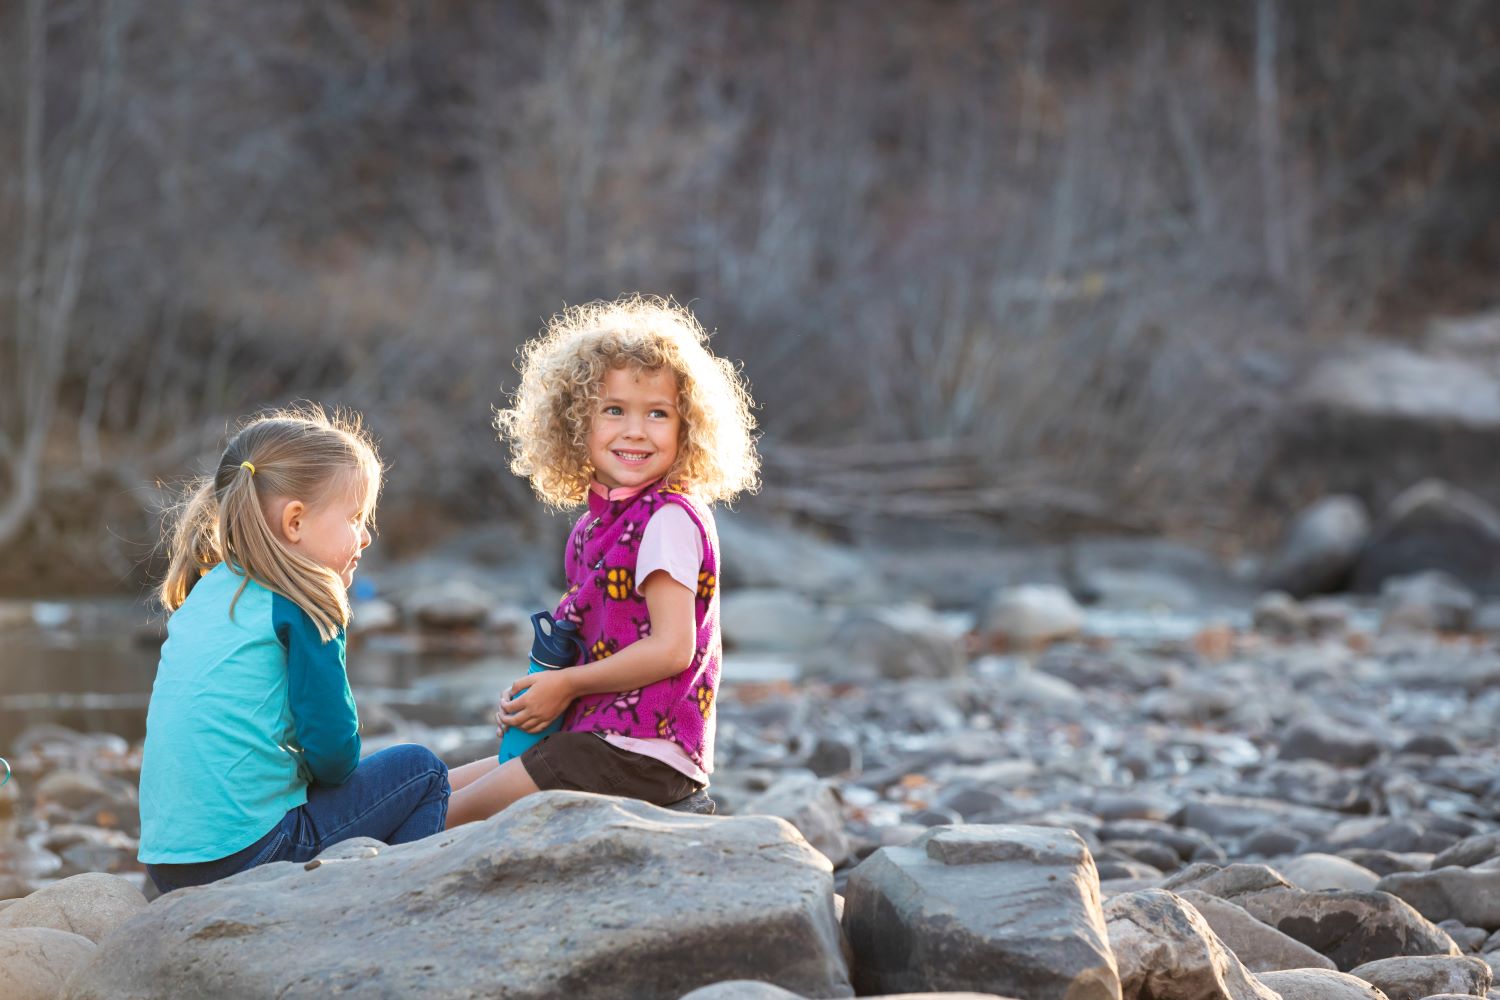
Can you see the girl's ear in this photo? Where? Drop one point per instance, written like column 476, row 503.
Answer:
column 291, row 520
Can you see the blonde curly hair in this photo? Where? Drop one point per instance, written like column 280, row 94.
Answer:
column 563, row 369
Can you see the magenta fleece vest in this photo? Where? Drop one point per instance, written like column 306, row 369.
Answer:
column 601, row 598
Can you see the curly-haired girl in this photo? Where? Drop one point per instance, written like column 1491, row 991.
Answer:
column 623, row 407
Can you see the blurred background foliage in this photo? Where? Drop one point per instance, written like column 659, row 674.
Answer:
column 1044, row 267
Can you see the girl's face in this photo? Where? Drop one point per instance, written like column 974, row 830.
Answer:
column 632, row 440
column 333, row 531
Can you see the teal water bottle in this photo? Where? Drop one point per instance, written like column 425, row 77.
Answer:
column 557, row 647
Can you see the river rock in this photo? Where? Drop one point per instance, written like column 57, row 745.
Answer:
column 771, row 620
column 1434, row 525
column 1319, row 984
column 1277, row 613
column 1388, row 862
column 1261, row 947
column 1433, row 600
column 37, row 961
column 900, row 643
column 1319, row 738
column 754, row 989
column 563, row 893
column 1470, row 851
column 1228, row 881
column 90, row 905
column 1165, row 950
column 1224, row 817
column 450, row 604
column 1350, row 927
column 1320, row 548
column 1470, row 940
column 1468, row 895
column 1316, row 871
column 810, row 804
column 1414, row 977
column 1012, row 910
column 1032, row 615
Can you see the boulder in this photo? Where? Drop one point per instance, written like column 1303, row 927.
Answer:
column 1261, row 947
column 761, row 552
column 563, row 893
column 810, row 804
column 770, row 620
column 1032, row 615
column 1414, row 977
column 1012, row 910
column 901, row 643
column 1165, row 950
column 1319, row 984
column 1434, row 525
column 1373, row 420
column 1468, row 895
column 1320, row 548
column 37, row 961
column 89, row 905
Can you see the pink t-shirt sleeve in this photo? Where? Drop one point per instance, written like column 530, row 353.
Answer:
column 671, row 542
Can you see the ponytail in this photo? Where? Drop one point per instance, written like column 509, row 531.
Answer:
column 299, row 454
column 193, row 543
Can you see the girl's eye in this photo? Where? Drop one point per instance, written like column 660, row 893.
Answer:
column 613, row 411
column 659, row 413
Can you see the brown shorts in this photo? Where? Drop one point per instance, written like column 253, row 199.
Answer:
column 586, row 762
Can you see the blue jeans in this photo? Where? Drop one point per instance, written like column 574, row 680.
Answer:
column 397, row 795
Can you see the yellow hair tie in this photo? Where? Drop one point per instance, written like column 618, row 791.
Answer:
column 247, row 465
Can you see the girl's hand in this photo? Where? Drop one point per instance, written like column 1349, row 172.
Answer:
column 536, row 699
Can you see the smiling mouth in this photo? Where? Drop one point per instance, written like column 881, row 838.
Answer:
column 632, row 456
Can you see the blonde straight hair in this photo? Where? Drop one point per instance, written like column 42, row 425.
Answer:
column 300, row 453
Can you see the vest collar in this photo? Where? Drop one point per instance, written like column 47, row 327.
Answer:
column 602, row 497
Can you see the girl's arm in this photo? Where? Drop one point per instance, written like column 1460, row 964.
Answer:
column 668, row 650
column 323, row 715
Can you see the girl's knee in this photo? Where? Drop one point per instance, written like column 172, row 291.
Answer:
column 413, row 759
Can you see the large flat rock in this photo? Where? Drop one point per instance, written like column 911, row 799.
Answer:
column 563, row 894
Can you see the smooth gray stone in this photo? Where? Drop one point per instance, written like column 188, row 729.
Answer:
column 1413, row 977
column 1469, row 895
column 1321, row 546
column 1319, row 984
column 1329, row 741
column 1012, row 910
column 1348, row 926
column 37, row 961
column 1261, row 947
column 91, row 905
column 1470, row 851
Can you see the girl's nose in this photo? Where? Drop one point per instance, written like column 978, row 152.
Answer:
column 364, row 536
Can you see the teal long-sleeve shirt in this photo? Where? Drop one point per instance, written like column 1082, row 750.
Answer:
column 247, row 710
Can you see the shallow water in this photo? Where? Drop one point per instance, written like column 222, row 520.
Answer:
column 89, row 665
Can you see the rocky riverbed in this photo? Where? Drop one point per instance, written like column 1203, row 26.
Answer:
column 1184, row 791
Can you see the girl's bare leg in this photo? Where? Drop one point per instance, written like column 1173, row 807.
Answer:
column 483, row 796
column 467, row 774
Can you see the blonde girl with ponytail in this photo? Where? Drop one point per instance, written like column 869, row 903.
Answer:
column 252, row 738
